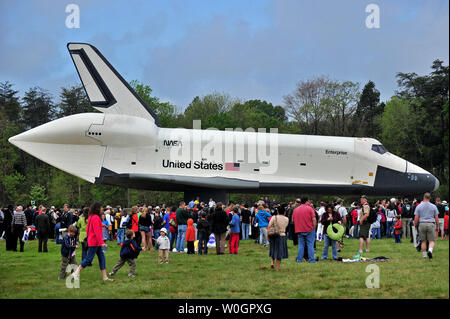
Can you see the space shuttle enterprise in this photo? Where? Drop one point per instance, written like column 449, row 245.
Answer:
column 125, row 145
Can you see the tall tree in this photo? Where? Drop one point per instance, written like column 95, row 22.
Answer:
column 367, row 111
column 37, row 107
column 432, row 91
column 9, row 103
column 73, row 101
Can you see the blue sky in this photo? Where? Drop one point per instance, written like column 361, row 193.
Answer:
column 248, row 49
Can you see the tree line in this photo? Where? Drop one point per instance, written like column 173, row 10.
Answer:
column 413, row 124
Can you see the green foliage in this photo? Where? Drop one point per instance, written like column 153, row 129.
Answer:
column 73, row 101
column 37, row 194
column 14, row 187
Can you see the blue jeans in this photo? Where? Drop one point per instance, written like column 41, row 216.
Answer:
column 397, row 239
column 245, row 229
column 355, row 231
column 327, row 241
column 376, row 232
column 180, row 237
column 156, row 234
column 57, row 227
column 263, row 236
column 202, row 243
column 389, row 228
column 309, row 239
column 173, row 239
column 120, row 235
column 91, row 252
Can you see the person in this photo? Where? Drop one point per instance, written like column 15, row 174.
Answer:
column 328, row 218
column 253, row 225
column 262, row 218
column 406, row 216
column 106, row 226
column 190, row 237
column 29, row 214
column 82, row 227
column 145, row 223
column 343, row 212
column 305, row 222
column 278, row 245
column 441, row 210
column 355, row 219
column 426, row 222
column 110, row 218
column 173, row 227
column 133, row 224
column 203, row 230
column 292, row 235
column 234, row 231
column 19, row 225
column 66, row 219
column 122, row 226
column 164, row 244
column 397, row 229
column 219, row 223
column 43, row 228
column 129, row 251
column 245, row 220
column 95, row 242
column 376, row 226
column 157, row 224
column 8, row 226
column 364, row 225
column 390, row 215
column 68, row 248
column 446, row 223
column 211, row 203
column 182, row 218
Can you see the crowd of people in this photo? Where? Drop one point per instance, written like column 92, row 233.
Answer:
column 190, row 227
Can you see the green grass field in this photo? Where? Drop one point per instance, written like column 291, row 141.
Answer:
column 247, row 275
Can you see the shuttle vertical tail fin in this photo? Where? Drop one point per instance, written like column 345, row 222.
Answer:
column 107, row 91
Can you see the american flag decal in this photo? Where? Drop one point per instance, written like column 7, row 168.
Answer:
column 232, row 166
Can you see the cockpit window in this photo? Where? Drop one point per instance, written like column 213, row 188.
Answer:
column 379, row 148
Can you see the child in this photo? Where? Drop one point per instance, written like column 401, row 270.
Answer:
column 164, row 243
column 234, row 232
column 203, row 231
column 190, row 236
column 446, row 223
column 397, row 229
column 68, row 246
column 128, row 253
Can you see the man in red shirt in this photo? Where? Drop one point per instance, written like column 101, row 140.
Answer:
column 304, row 219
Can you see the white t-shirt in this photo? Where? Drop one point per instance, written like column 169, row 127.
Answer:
column 341, row 210
column 212, row 203
column 321, row 211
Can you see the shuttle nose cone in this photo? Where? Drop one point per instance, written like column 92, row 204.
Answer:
column 436, row 183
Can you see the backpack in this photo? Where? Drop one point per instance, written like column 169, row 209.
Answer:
column 274, row 230
column 373, row 215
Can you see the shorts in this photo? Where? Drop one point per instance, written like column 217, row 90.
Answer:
column 144, row 228
column 427, row 231
column 364, row 230
column 441, row 224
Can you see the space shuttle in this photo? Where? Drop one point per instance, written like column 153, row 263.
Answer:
column 125, row 145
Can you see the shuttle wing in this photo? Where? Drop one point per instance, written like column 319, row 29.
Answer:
column 107, row 91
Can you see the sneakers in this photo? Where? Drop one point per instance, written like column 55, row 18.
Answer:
column 108, row 279
column 131, row 275
column 111, row 274
column 430, row 254
column 360, row 251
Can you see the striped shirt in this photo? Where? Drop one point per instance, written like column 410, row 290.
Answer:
column 19, row 219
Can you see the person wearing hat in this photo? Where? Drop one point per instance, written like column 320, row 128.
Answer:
column 164, row 244
column 364, row 225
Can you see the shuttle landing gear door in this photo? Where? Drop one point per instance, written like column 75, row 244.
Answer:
column 361, row 172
